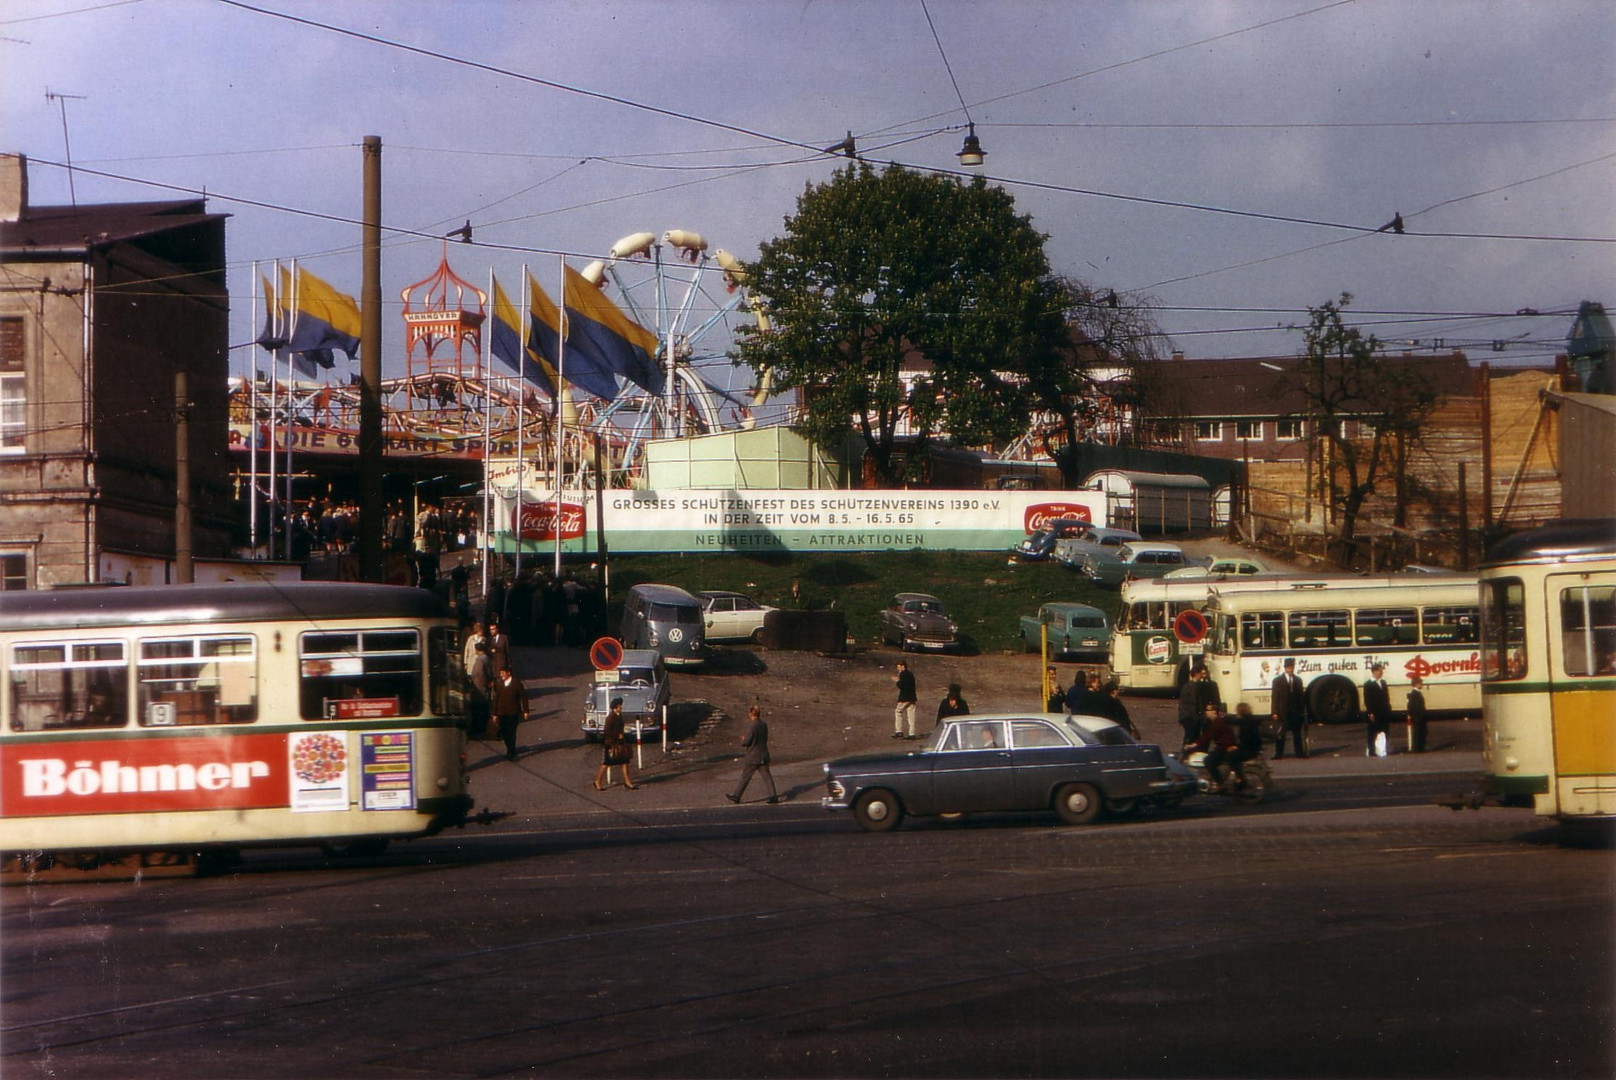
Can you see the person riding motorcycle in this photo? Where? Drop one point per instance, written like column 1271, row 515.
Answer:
column 1249, row 732
column 1218, row 739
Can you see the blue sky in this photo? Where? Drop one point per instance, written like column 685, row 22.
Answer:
column 1495, row 120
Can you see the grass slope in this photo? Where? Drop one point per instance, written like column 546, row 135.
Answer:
column 984, row 594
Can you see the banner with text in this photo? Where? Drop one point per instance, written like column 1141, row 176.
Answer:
column 793, row 520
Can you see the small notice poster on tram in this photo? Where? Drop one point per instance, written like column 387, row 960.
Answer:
column 369, row 708
column 319, row 771
column 387, row 770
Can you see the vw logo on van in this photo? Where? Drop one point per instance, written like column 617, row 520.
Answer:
column 676, row 635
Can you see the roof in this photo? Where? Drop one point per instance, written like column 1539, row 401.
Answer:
column 54, row 228
column 664, row 594
column 1252, row 387
column 154, row 605
column 1569, row 539
column 1150, row 479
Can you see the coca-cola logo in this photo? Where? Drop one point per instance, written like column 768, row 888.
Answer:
column 1040, row 515
column 538, row 521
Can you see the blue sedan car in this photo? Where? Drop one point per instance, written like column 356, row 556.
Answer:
column 1077, row 766
column 1076, row 632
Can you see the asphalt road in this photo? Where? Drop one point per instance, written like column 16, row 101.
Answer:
column 1348, row 928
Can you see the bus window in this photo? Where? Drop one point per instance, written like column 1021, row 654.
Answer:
column 359, row 674
column 1588, row 629
column 197, row 680
column 1262, row 630
column 1503, row 629
column 1450, row 625
column 56, row 686
column 1381, row 627
column 1224, row 638
column 1320, row 629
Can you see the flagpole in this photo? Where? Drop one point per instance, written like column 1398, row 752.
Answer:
column 252, row 419
column 292, row 317
column 269, row 501
column 487, row 531
column 560, row 426
column 521, row 424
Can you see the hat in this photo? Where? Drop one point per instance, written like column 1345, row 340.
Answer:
column 953, row 689
column 1290, row 661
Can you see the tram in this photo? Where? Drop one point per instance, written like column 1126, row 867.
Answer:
column 195, row 720
column 1548, row 669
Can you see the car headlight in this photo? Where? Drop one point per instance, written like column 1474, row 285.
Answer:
column 912, row 625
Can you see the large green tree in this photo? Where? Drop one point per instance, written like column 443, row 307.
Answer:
column 879, row 267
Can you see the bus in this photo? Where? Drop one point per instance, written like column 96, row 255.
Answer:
column 196, row 720
column 1416, row 624
column 1146, row 655
column 1548, row 669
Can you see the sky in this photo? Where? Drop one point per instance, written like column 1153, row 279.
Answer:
column 1227, row 162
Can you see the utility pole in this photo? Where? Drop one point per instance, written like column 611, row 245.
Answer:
column 372, row 507
column 184, row 569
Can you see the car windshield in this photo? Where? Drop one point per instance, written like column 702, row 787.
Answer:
column 1096, row 621
column 675, row 613
column 914, row 607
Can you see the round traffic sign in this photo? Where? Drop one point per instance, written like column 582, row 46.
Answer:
column 606, row 653
column 1190, row 626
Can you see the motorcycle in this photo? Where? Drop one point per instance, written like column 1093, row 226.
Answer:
column 1254, row 780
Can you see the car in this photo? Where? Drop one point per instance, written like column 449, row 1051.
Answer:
column 667, row 619
column 1099, row 542
column 1134, row 560
column 1221, row 566
column 1075, row 630
column 1077, row 766
column 1041, row 544
column 642, row 682
column 918, row 621
column 732, row 616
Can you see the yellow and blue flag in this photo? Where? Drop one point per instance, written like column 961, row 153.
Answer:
column 601, row 338
column 274, row 336
column 324, row 319
column 505, row 342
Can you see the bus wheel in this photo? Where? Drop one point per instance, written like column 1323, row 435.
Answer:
column 1333, row 699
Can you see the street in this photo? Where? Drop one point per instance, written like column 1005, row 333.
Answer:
column 1347, row 928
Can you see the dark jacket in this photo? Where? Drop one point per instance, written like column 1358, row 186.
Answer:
column 1377, row 701
column 1218, row 732
column 1416, row 706
column 1285, row 704
column 509, row 699
column 756, row 743
column 959, row 707
column 906, row 685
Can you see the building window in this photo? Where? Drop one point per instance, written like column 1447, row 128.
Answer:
column 1290, row 429
column 13, row 396
column 1209, row 430
column 13, row 570
column 1248, row 429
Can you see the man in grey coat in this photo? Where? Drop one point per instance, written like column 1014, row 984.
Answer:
column 756, row 744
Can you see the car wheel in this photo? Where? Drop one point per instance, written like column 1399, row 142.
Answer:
column 757, row 636
column 878, row 811
column 1121, row 807
column 1333, row 699
column 1026, row 642
column 1078, row 804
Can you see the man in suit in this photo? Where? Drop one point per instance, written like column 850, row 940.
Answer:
column 1288, row 705
column 756, row 744
column 1415, row 710
column 1377, row 707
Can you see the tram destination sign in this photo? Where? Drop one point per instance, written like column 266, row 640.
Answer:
column 806, row 521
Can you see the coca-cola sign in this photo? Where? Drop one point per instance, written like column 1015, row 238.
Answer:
column 1039, row 515
column 537, row 521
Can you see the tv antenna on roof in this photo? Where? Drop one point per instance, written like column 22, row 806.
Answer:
column 63, row 99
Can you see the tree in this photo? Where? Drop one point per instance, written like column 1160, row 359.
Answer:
column 878, row 268
column 1344, row 379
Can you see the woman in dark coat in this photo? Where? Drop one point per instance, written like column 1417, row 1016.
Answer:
column 615, row 749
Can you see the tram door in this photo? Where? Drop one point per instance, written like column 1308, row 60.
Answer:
column 1581, row 612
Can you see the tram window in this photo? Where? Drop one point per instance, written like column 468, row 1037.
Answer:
column 197, row 680
column 1450, row 625
column 1380, row 627
column 1320, row 629
column 1262, row 630
column 1503, row 630
column 445, row 671
column 359, row 674
column 1588, row 629
column 65, row 686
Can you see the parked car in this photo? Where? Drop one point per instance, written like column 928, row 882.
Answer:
column 732, row 616
column 1092, row 541
column 1135, row 560
column 1075, row 631
column 1221, row 566
column 1077, row 766
column 918, row 621
column 641, row 681
column 1041, row 544
column 667, row 619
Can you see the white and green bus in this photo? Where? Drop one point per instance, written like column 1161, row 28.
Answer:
column 1416, row 624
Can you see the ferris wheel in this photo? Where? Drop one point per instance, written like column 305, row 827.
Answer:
column 693, row 302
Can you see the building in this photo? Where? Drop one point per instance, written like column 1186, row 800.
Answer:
column 101, row 306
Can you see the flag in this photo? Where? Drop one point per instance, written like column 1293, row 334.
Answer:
column 505, row 340
column 578, row 368
column 602, row 337
column 274, row 336
column 324, row 320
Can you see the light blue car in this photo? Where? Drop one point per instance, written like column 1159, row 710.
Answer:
column 1076, row 632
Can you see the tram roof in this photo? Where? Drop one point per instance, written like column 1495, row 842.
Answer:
column 150, row 605
column 1569, row 539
